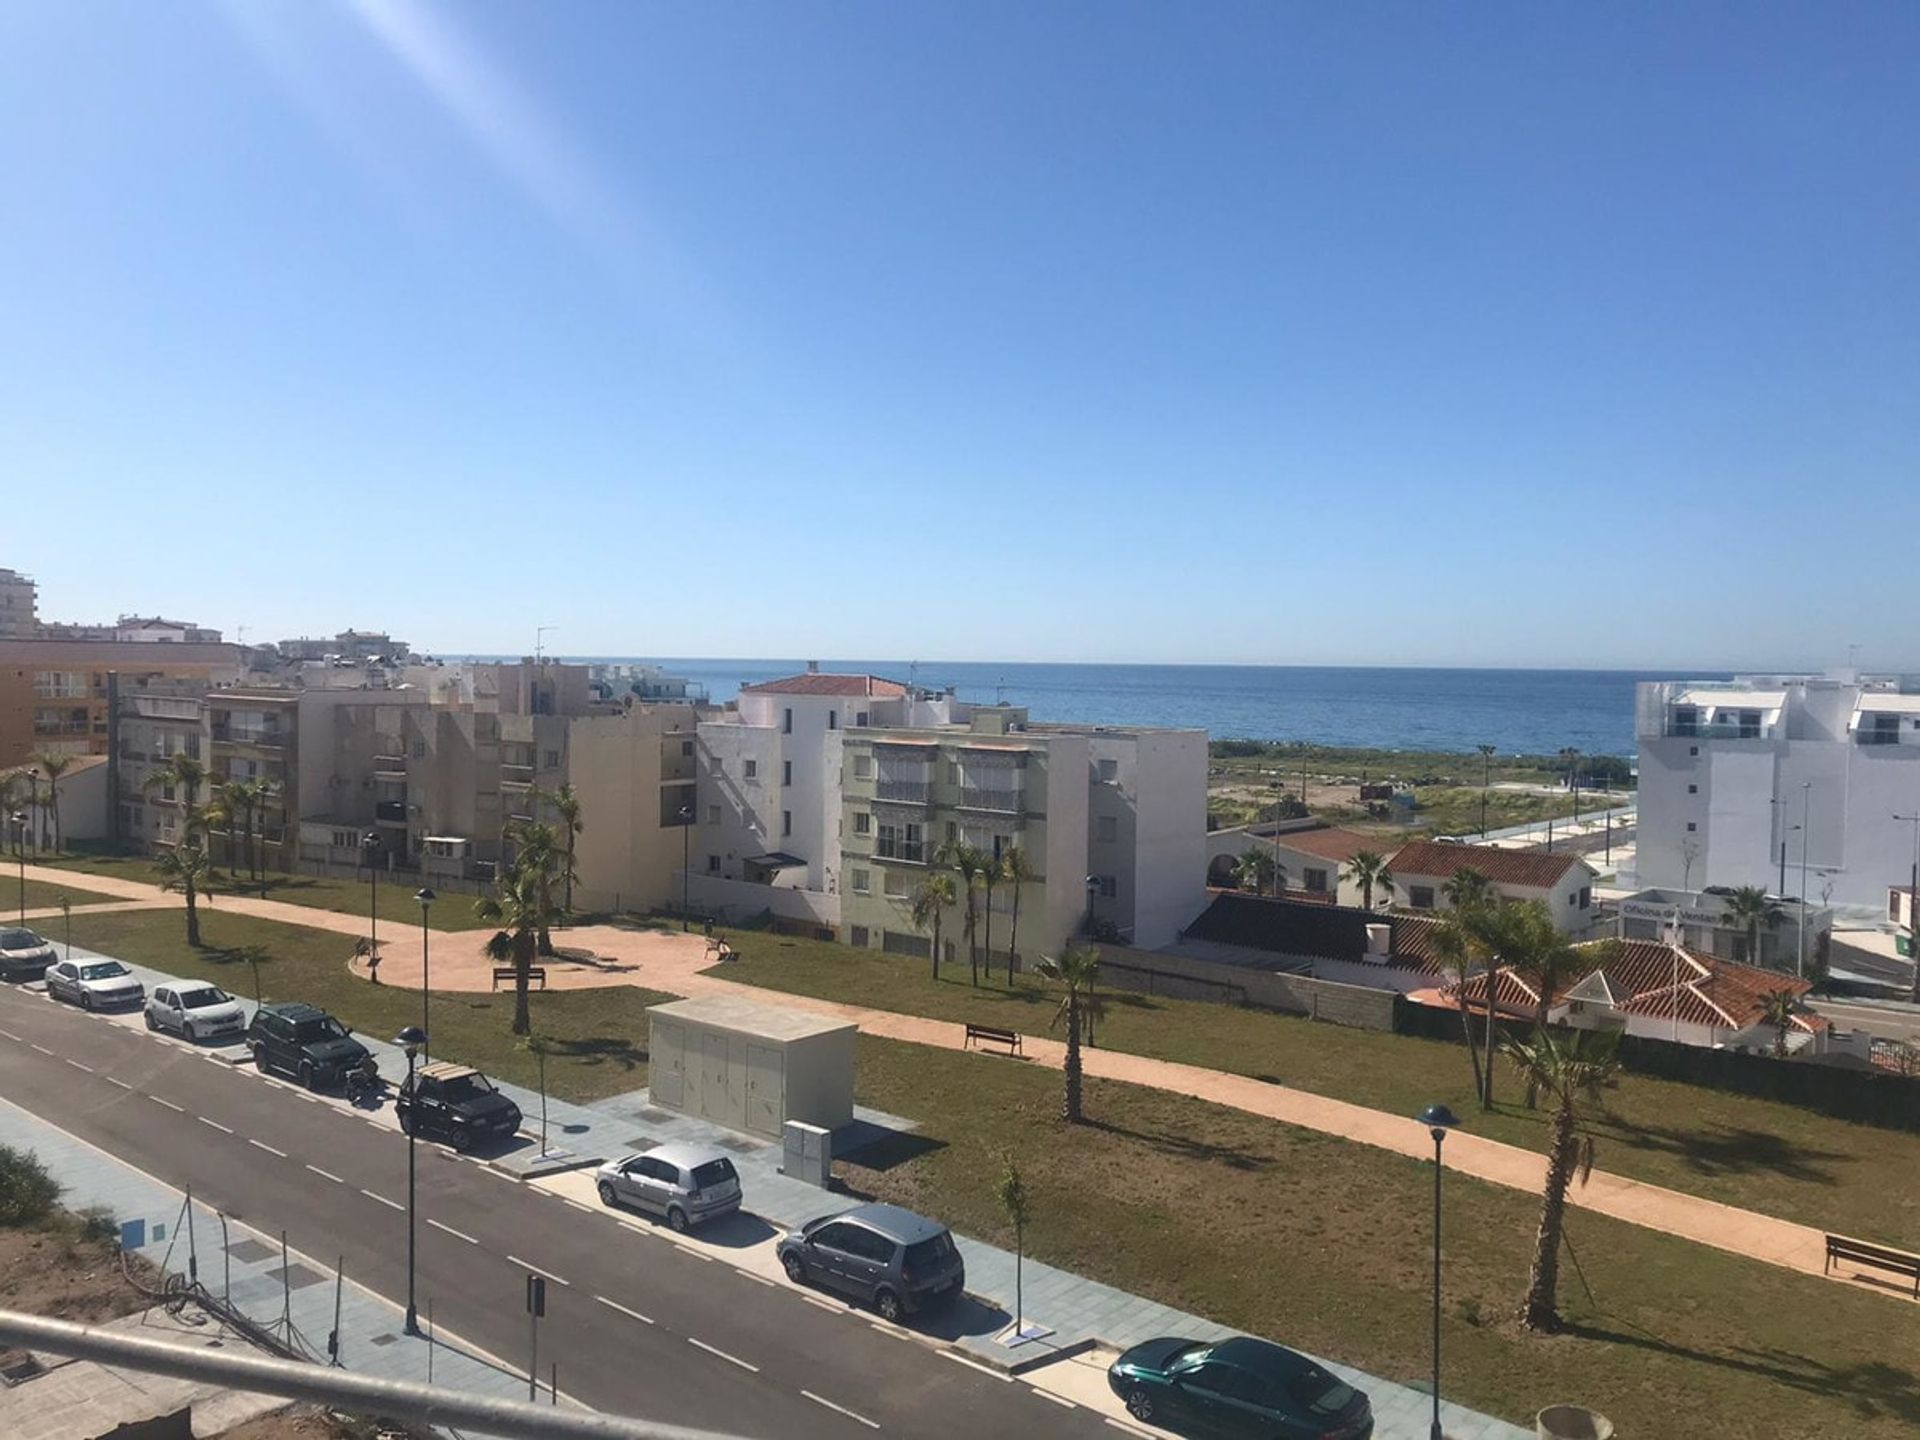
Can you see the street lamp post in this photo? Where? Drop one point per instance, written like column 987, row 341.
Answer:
column 20, row 850
column 1486, row 779
column 1806, row 814
column 413, row 1040
column 1093, row 890
column 426, row 897
column 1438, row 1119
column 370, row 842
column 686, row 839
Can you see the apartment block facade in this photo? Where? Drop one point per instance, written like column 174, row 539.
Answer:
column 61, row 695
column 1741, row 782
column 19, row 619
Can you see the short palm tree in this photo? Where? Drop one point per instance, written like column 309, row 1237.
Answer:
column 1570, row 1067
column 53, row 765
column 1468, row 890
column 521, row 908
column 1524, row 939
column 990, row 876
column 1255, row 870
column 1018, row 871
column 186, row 867
column 931, row 901
column 184, row 774
column 1076, row 970
column 1778, row 1007
column 1368, row 869
column 1746, row 909
column 565, row 804
column 537, row 854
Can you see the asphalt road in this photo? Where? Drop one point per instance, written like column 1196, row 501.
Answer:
column 1882, row 1020
column 641, row 1326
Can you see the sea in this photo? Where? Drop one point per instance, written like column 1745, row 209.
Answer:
column 1520, row 712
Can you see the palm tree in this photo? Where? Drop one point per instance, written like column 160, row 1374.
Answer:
column 1524, row 938
column 969, row 862
column 1076, row 970
column 930, row 903
column 10, row 783
column 1472, row 897
column 223, row 811
column 1468, row 890
column 255, row 795
column 53, row 765
column 537, row 853
column 522, row 907
column 989, row 877
column 1779, row 1007
column 1015, row 867
column 1459, row 951
column 1368, row 869
column 1255, row 868
column 1747, row 909
column 186, row 867
column 1572, row 1067
column 182, row 773
column 566, row 804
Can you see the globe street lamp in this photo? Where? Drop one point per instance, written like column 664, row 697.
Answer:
column 686, row 837
column 426, row 897
column 370, row 842
column 1438, row 1119
column 413, row 1040
column 20, row 850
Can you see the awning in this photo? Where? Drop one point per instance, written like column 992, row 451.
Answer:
column 776, row 860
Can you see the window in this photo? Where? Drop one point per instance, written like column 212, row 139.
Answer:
column 552, row 760
column 862, row 823
column 1316, row 882
column 713, row 814
column 686, row 747
column 786, row 822
column 833, row 719
column 713, row 864
column 1109, row 887
column 786, row 721
column 752, row 769
column 862, row 882
column 1106, row 829
column 786, row 772
column 1693, row 789
column 1586, row 897
column 896, row 883
column 419, row 749
column 860, row 718
column 863, row 767
column 953, row 773
column 857, row 935
column 1693, row 749
column 834, row 1237
column 868, row 1246
column 1107, row 770
column 1420, row 897
column 1692, row 826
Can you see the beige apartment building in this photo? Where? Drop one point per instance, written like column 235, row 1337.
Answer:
column 61, row 695
column 19, row 620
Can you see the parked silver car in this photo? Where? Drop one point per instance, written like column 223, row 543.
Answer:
column 94, row 984
column 23, row 954
column 195, row 1012
column 687, row 1184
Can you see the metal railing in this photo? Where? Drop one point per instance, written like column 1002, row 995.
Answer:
column 914, row 852
column 1716, row 730
column 1009, row 802
column 905, row 792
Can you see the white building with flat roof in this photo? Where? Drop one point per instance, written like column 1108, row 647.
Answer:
column 1751, row 782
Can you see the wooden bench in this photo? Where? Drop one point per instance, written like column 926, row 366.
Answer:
column 718, row 949
column 505, row 975
column 991, row 1035
column 1859, row 1252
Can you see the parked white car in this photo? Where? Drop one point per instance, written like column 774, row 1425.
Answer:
column 685, row 1184
column 195, row 1011
column 94, row 984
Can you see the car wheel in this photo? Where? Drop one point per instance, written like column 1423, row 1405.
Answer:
column 607, row 1196
column 152, row 1024
column 406, row 1122
column 888, row 1304
column 676, row 1219
column 306, row 1075
column 186, row 1033
column 1140, row 1403
column 796, row 1272
column 462, row 1139
column 86, row 999
column 260, row 1058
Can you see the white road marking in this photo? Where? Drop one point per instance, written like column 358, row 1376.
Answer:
column 121, row 1083
column 630, row 1314
column 326, row 1175
column 1130, row 1429
column 960, row 1359
column 168, row 1103
column 390, row 1204
column 584, row 1209
column 457, row 1234
column 41, row 1048
column 757, row 1279
column 223, row 1129
column 716, row 1350
column 841, row 1409
column 823, row 1304
column 78, row 1066
column 9, row 1034
column 1060, row 1400
column 262, row 1145
column 516, row 1260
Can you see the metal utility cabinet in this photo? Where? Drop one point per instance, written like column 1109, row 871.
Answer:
column 749, row 1065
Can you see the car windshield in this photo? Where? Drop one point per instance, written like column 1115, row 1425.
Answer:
column 202, row 998
column 714, row 1172
column 1186, row 1357
column 19, row 940
column 106, row 970
column 936, row 1250
column 324, row 1028
column 1319, row 1391
column 466, row 1087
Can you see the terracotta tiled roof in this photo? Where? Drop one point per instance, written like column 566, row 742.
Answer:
column 1428, row 858
column 1413, row 947
column 1511, row 994
column 814, row 683
column 1327, row 844
column 1711, row 991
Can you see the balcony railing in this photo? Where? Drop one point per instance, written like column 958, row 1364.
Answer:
column 1006, row 802
column 1716, row 730
column 914, row 853
column 520, row 776
column 903, row 792
column 242, row 735
column 1881, row 737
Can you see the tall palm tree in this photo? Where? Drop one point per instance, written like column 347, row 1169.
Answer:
column 1472, row 897
column 1747, row 909
column 969, row 862
column 931, row 900
column 1076, row 970
column 255, row 795
column 53, row 765
column 1368, row 869
column 566, row 805
column 989, row 877
column 522, row 908
column 1779, row 1007
column 184, row 774
column 186, row 867
column 1018, row 871
column 10, row 784
column 1256, row 869
column 1571, row 1067
column 1459, row 950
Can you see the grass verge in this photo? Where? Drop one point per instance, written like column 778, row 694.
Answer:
column 1326, row 1245
column 43, row 895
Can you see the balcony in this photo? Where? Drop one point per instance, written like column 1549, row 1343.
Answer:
column 903, row 792
column 1869, row 736
column 910, row 852
column 1716, row 730
column 518, row 777
column 390, row 812
column 1002, row 802
column 246, row 735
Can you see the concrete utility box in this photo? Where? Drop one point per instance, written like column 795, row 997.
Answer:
column 750, row 1065
column 808, row 1154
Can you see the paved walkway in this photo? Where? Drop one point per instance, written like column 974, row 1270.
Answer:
column 678, row 964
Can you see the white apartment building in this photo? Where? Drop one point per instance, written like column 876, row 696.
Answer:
column 1730, row 773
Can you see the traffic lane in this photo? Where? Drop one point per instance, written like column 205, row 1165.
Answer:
column 851, row 1361
column 1888, row 1024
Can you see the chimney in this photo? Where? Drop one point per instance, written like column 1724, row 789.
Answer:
column 813, row 667
column 1379, row 944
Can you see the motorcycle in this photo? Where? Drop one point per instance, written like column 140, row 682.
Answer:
column 363, row 1083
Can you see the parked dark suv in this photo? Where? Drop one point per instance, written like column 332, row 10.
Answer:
column 307, row 1043
column 455, row 1103
column 891, row 1258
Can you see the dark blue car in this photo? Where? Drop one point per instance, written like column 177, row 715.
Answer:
column 1238, row 1387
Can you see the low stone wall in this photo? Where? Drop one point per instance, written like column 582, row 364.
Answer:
column 1183, row 978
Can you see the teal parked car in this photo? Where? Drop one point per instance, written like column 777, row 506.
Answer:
column 1238, row 1387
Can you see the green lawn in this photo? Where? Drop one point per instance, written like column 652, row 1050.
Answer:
column 452, row 911
column 41, row 894
column 1755, row 1154
column 1325, row 1245
column 602, row 1033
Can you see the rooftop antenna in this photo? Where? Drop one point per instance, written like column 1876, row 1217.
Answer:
column 1000, row 691
column 913, row 674
column 538, row 632
column 1853, row 658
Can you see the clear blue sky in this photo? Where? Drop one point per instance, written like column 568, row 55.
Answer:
column 1498, row 333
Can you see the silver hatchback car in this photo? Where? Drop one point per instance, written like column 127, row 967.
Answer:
column 686, row 1184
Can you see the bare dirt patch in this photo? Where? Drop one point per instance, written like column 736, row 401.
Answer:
column 59, row 1271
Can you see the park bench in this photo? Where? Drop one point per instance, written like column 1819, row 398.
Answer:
column 993, row 1035
column 718, row 949
column 504, row 975
column 1859, row 1252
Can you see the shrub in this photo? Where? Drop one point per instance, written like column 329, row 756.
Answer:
column 27, row 1191
column 97, row 1226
